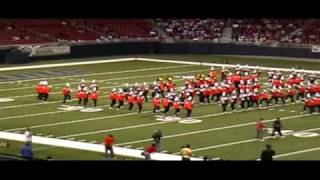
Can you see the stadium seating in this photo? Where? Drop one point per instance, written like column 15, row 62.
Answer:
column 263, row 30
column 192, row 29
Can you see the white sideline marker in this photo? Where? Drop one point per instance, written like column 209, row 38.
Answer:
column 83, row 140
column 292, row 111
column 129, row 146
column 281, row 110
column 94, row 142
column 139, row 148
column 50, row 135
column 71, row 139
column 164, row 151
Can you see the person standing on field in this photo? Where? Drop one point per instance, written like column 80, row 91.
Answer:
column 28, row 136
column 157, row 139
column 108, row 142
column 259, row 128
column 277, row 126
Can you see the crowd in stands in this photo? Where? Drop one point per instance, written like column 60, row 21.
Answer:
column 263, row 30
column 192, row 29
column 32, row 31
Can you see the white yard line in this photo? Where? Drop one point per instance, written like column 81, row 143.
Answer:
column 210, row 130
column 93, row 74
column 89, row 147
column 296, row 152
column 245, row 141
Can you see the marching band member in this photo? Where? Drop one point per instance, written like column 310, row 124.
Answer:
column 113, row 97
column 66, row 93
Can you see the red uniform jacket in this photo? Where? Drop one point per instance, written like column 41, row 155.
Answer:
column 94, row 96
column 112, row 96
column 165, row 102
column 188, row 105
column 259, row 125
column 120, row 97
column 139, row 100
column 130, row 99
column 156, row 102
column 176, row 105
column 66, row 91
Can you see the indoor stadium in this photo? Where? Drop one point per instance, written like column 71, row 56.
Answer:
column 162, row 89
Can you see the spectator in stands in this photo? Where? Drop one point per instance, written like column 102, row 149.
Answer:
column 26, row 152
column 267, row 154
column 157, row 139
column 108, row 142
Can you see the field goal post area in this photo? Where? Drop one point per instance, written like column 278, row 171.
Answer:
column 119, row 150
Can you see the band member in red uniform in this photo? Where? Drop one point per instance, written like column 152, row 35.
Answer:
column 94, row 97
column 86, row 96
column 176, row 106
column 113, row 98
column 145, row 91
column 224, row 102
column 161, row 86
column 131, row 100
column 45, row 91
column 120, row 98
column 188, row 105
column 140, row 101
column 291, row 93
column 156, row 104
column 66, row 93
column 282, row 95
column 255, row 98
column 207, row 93
column 274, row 95
column 166, row 104
column 233, row 100
column 80, row 96
column 265, row 96
column 39, row 90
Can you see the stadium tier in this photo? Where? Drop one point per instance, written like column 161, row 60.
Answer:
column 33, row 31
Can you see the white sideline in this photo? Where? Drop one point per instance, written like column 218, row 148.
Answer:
column 210, row 130
column 296, row 152
column 90, row 147
column 225, row 65
column 245, row 141
column 66, row 64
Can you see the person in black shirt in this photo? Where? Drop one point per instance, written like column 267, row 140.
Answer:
column 267, row 154
column 157, row 138
column 277, row 126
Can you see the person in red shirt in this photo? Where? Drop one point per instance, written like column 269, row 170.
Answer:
column 80, row 95
column 86, row 95
column 291, row 93
column 94, row 97
column 45, row 90
column 148, row 151
column 255, row 98
column 165, row 105
column 274, row 95
column 131, row 99
column 108, row 143
column 39, row 90
column 282, row 95
column 301, row 91
column 176, row 106
column 188, row 105
column 265, row 96
column 113, row 98
column 156, row 104
column 259, row 128
column 66, row 93
column 120, row 98
column 139, row 101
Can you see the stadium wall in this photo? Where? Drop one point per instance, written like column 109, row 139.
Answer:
column 132, row 48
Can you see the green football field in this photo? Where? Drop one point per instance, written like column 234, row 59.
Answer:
column 227, row 136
